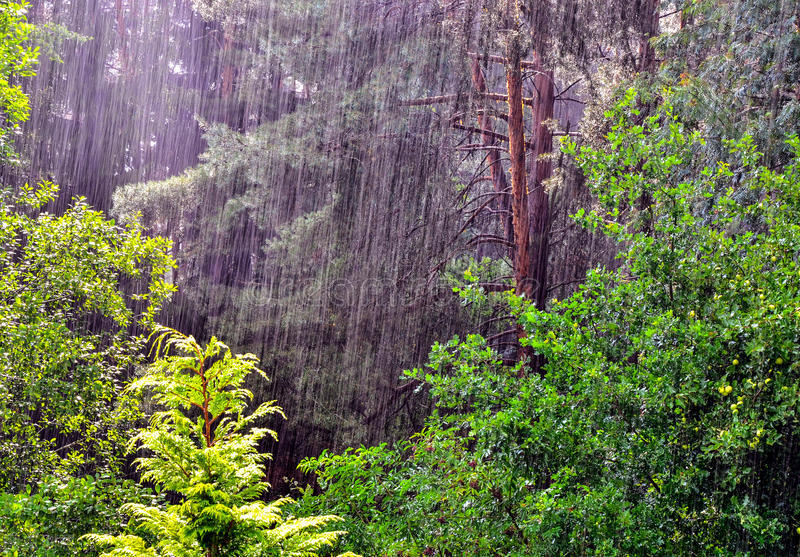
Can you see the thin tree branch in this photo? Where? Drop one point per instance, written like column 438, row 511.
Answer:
column 491, row 134
column 500, row 335
column 499, row 59
column 442, row 99
column 487, row 238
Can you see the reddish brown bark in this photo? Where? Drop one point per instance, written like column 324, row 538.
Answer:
column 541, row 171
column 227, row 69
column 519, row 191
column 496, row 170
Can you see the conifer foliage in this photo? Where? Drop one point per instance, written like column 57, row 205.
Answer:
column 203, row 447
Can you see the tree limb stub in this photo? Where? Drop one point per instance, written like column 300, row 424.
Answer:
column 492, row 134
column 443, row 99
column 524, row 64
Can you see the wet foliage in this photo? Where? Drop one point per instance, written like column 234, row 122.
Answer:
column 211, row 461
column 594, row 201
column 665, row 420
column 74, row 290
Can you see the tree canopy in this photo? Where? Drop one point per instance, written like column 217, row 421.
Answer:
column 574, row 224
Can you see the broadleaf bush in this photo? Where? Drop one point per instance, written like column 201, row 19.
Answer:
column 664, row 422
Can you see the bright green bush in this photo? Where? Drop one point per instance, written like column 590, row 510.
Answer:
column 204, row 448
column 47, row 522
column 73, row 290
column 665, row 421
column 17, row 59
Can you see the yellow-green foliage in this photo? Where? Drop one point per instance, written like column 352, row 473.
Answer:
column 203, row 447
column 16, row 61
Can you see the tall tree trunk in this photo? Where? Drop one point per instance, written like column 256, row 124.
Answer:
column 541, row 171
column 496, row 171
column 648, row 30
column 519, row 177
column 519, row 185
column 227, row 68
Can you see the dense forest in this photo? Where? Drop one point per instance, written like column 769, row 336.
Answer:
column 399, row 277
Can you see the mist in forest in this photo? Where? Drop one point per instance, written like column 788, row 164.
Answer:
column 326, row 172
column 522, row 275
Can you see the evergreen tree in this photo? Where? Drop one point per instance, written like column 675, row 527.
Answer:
column 734, row 67
column 204, row 447
column 309, row 238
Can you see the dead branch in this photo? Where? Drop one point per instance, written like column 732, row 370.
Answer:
column 492, row 134
column 428, row 100
column 493, row 113
column 500, row 335
column 488, row 133
column 491, row 193
column 498, row 97
column 525, row 64
column 495, row 320
column 495, row 286
column 570, row 86
column 479, row 147
column 565, row 283
column 489, row 238
column 473, row 217
column 441, row 99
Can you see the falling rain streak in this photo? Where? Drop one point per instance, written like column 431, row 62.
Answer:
column 323, row 170
column 354, row 188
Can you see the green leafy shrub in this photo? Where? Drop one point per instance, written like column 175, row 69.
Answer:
column 665, row 422
column 47, row 522
column 204, row 448
column 74, row 289
column 16, row 61
column 437, row 493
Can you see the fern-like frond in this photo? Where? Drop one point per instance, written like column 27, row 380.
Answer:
column 310, row 544
column 121, row 546
column 260, row 515
column 204, row 447
column 293, row 527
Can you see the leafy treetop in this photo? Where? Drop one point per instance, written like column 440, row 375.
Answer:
column 74, row 291
column 204, row 447
column 16, row 61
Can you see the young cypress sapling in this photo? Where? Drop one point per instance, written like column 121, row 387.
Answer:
column 203, row 447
